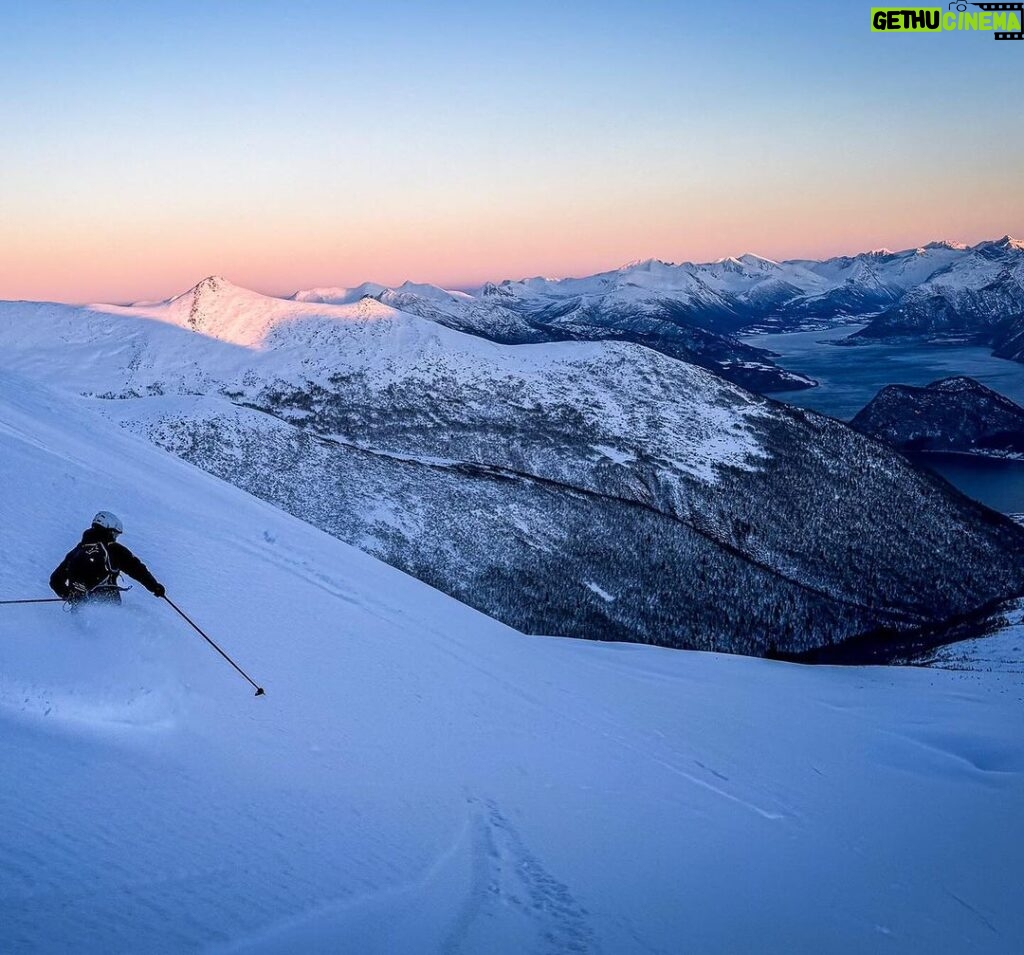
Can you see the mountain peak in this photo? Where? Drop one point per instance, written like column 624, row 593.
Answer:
column 962, row 384
column 950, row 244
column 957, row 383
column 489, row 289
column 427, row 290
column 204, row 306
column 753, row 260
column 212, row 283
column 338, row 295
column 646, row 265
column 1006, row 244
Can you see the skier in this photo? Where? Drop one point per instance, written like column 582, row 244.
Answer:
column 90, row 570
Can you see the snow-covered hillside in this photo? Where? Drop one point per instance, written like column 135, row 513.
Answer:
column 577, row 488
column 670, row 312
column 420, row 778
column 455, row 309
column 1002, row 650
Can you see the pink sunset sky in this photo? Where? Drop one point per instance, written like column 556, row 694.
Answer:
column 440, row 144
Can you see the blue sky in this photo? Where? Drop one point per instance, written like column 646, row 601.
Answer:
column 291, row 144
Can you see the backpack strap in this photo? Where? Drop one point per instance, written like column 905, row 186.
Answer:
column 111, row 579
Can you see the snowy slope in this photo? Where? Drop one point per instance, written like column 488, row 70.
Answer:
column 519, row 314
column 455, row 309
column 422, row 779
column 1002, row 650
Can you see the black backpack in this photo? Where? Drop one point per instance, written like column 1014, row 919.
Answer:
column 89, row 566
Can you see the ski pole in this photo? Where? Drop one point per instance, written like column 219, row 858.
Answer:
column 192, row 624
column 36, row 600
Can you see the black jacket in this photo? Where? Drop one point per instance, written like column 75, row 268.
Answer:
column 122, row 560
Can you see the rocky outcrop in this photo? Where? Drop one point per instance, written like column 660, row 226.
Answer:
column 954, row 414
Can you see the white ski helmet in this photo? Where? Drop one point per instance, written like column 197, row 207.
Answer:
column 108, row 521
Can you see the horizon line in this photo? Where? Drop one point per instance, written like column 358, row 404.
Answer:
column 472, row 287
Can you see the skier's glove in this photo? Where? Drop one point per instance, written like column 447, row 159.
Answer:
column 158, row 590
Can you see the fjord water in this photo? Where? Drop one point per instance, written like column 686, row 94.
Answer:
column 849, row 377
column 993, row 481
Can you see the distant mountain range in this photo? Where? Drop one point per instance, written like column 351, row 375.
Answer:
column 978, row 297
column 666, row 317
column 693, row 311
column 598, row 489
column 954, row 414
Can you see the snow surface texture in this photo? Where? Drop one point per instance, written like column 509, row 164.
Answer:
column 420, row 778
column 1002, row 650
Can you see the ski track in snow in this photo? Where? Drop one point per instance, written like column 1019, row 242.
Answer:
column 507, row 873
column 507, row 903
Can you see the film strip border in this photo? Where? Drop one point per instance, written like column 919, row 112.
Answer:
column 1017, row 8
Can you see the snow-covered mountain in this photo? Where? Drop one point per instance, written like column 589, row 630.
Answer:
column 420, row 779
column 458, row 310
column 520, row 314
column 691, row 310
column 594, row 489
column 978, row 297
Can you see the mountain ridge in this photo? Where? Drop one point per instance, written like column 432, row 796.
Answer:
column 693, row 310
